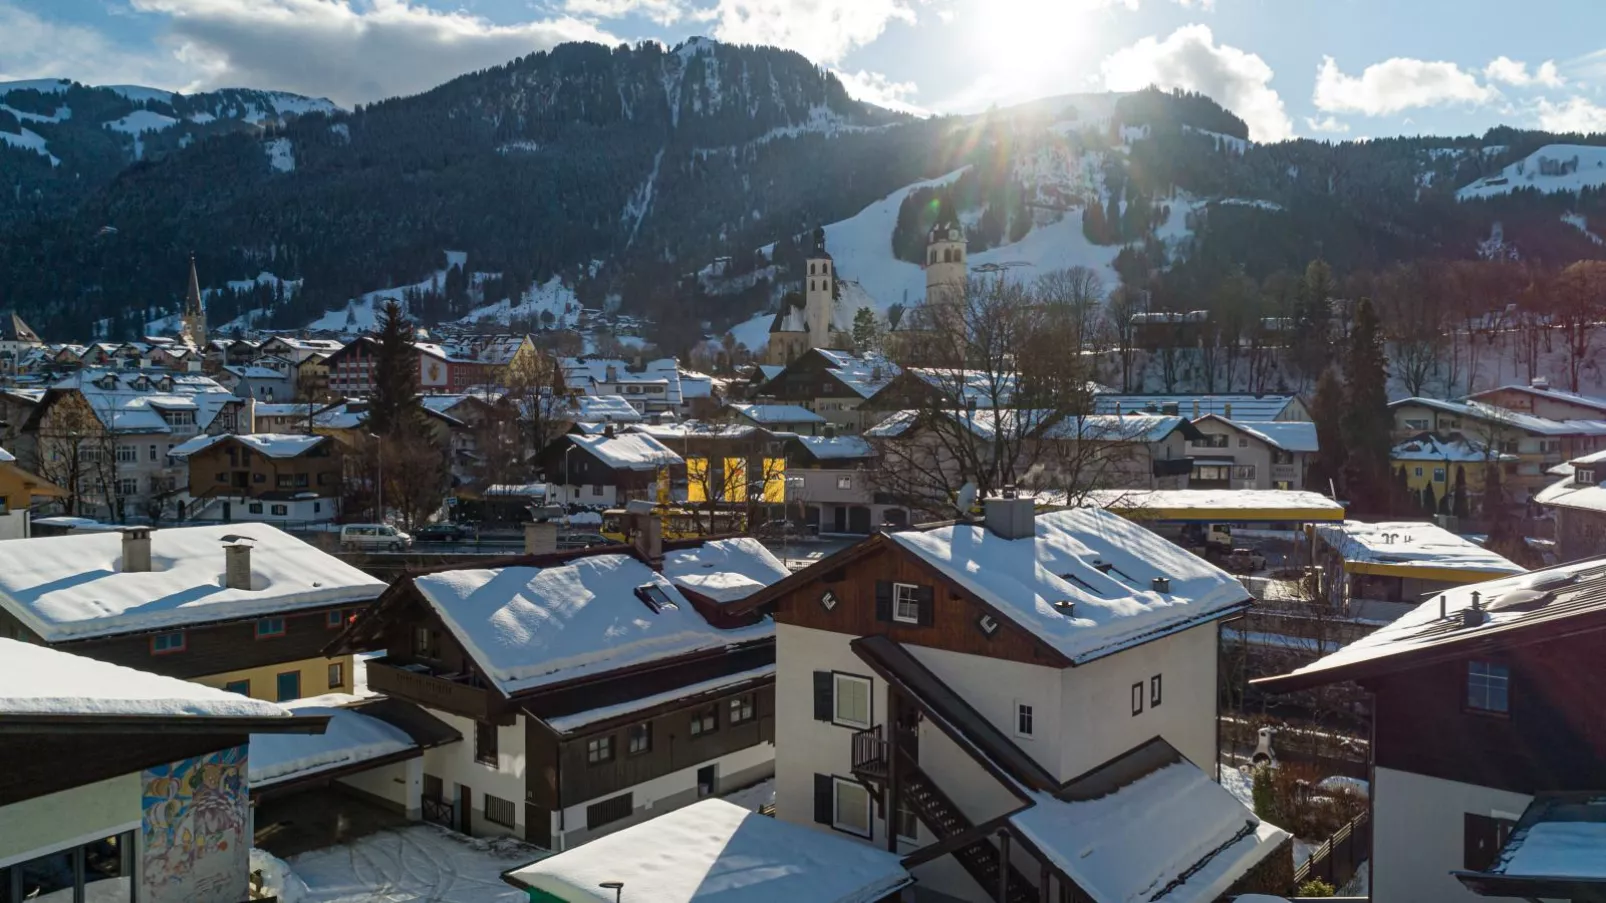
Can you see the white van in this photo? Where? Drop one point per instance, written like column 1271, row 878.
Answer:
column 373, row 537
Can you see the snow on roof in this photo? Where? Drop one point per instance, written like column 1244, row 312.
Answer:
column 529, row 627
column 1457, row 450
column 695, row 429
column 343, row 416
column 1412, row 544
column 273, row 445
column 284, row 409
column 832, row 448
column 1519, row 420
column 1218, row 504
column 1288, row 435
column 1171, row 836
column 7, row 457
column 39, row 680
column 1101, row 562
column 1564, row 493
column 1559, row 836
column 131, row 401
column 985, row 423
column 725, row 570
column 628, row 451
column 605, row 409
column 564, row 724
column 73, row 587
column 1586, row 401
column 777, row 413
column 1238, row 407
column 351, row 737
column 865, row 374
column 717, row 852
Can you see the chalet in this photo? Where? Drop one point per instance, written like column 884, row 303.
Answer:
column 1486, row 699
column 1539, row 443
column 241, row 607
column 258, row 381
column 294, row 349
column 444, row 369
column 118, row 784
column 606, row 468
column 351, row 369
column 17, row 339
column 1441, row 462
column 653, row 388
column 1578, row 502
column 600, row 687
column 262, row 477
column 725, row 462
column 284, row 417
column 784, row 418
column 1036, row 692
column 1251, row 454
column 1539, row 399
column 312, row 377
column 833, row 384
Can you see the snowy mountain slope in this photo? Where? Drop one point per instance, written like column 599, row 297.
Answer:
column 1550, row 169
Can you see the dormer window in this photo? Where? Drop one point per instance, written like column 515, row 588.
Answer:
column 1584, row 476
column 654, row 597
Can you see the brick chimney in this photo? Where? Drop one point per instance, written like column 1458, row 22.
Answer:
column 136, row 550
column 237, row 565
column 540, row 538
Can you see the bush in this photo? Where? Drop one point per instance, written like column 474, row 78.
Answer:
column 1287, row 796
column 1316, row 887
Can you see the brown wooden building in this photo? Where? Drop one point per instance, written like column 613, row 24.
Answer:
column 264, row 476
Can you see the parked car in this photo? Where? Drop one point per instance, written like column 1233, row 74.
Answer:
column 447, row 532
column 582, row 540
column 1245, row 561
column 373, row 537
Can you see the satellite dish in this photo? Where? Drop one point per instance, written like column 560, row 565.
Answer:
column 967, row 497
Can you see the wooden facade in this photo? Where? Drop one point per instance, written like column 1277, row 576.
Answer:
column 232, row 468
column 37, row 764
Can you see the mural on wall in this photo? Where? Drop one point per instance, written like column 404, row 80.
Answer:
column 196, row 817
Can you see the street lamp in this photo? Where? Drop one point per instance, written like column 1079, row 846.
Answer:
column 571, row 493
column 618, row 888
column 379, row 486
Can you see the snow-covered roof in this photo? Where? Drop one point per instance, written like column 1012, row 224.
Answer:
column 1559, row 836
column 254, row 372
column 1504, row 417
column 39, row 680
column 1288, row 435
column 1564, row 493
column 1173, row 835
column 1409, row 545
column 565, row 724
column 717, row 852
column 695, row 429
column 1104, row 564
column 1237, row 407
column 1456, row 450
column 985, row 423
column 1583, row 401
column 273, row 445
column 529, row 627
column 834, row 448
column 350, row 738
column 866, row 374
column 1216, row 504
column 131, row 401
column 73, row 587
column 344, row 416
column 605, row 409
column 725, row 570
column 771, row 414
column 628, row 451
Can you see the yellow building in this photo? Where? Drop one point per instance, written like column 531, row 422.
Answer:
column 18, row 489
column 1431, row 461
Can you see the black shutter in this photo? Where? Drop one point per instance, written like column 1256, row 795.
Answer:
column 883, row 600
column 824, row 695
column 927, row 598
column 824, row 812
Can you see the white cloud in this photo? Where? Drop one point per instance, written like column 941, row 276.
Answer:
column 1207, row 5
column 1515, row 73
column 1330, row 125
column 348, row 50
column 1576, row 114
column 877, row 88
column 664, row 12
column 822, row 30
column 36, row 48
column 1395, row 85
column 1191, row 59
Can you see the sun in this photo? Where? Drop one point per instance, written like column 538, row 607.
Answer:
column 1031, row 47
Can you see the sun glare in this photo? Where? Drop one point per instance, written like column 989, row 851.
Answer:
column 1033, row 45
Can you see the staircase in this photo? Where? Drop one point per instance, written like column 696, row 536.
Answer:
column 945, row 820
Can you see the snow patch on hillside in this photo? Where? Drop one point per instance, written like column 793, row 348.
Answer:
column 636, row 208
column 281, row 156
column 141, row 94
column 1227, row 142
column 62, row 113
column 42, row 85
column 553, row 297
column 30, row 141
column 137, row 124
column 361, row 314
column 169, row 325
column 1550, row 169
column 1581, row 223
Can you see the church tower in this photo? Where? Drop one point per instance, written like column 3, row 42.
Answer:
column 946, row 272
column 193, row 330
column 819, row 293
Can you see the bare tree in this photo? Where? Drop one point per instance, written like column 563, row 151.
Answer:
column 1079, row 291
column 1124, row 304
column 1580, row 298
column 1412, row 309
column 535, row 392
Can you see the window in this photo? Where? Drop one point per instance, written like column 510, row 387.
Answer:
column 128, row 486
column 1584, row 476
column 704, row 721
column 242, row 687
column 301, row 480
column 98, row 870
column 741, row 709
column 1488, row 687
column 596, row 489
column 1438, row 475
column 127, row 454
column 1154, row 692
column 608, row 811
column 485, row 743
column 334, row 620
column 153, row 452
column 288, row 684
column 599, row 750
column 1418, row 471
column 1416, row 423
column 844, row 482
column 254, row 507
column 1243, row 442
column 259, row 477
column 851, row 812
column 908, row 824
column 163, row 643
column 337, row 674
column 1244, row 472
column 424, row 642
column 281, row 510
column 283, row 480
column 639, row 738
column 1137, row 698
column 1482, row 838
column 499, row 811
column 1211, row 472
column 270, row 627
column 906, row 603
column 1218, row 440
column 1025, row 720
column 846, row 699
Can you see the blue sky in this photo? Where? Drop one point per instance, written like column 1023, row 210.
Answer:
column 1336, row 69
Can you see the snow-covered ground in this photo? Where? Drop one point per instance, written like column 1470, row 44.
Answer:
column 754, row 797
column 552, row 296
column 281, row 156
column 361, row 313
column 417, row 863
column 1590, row 172
column 30, row 141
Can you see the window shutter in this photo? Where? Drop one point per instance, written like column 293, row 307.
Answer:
column 823, row 810
column 824, row 695
column 883, row 600
column 927, row 598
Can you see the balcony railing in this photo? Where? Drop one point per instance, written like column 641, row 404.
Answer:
column 457, row 693
column 870, row 752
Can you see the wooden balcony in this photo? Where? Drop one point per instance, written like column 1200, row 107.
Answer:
column 460, row 693
column 870, row 752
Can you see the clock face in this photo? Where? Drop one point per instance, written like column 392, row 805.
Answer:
column 828, row 600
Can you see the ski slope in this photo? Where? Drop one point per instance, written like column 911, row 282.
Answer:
column 1526, row 173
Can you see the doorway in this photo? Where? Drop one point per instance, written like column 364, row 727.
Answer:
column 707, row 780
column 465, row 810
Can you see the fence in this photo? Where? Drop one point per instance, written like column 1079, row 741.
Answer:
column 1337, row 860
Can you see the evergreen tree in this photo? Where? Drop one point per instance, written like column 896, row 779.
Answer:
column 1366, row 422
column 866, row 331
column 395, row 373
column 1460, row 506
column 1313, row 319
column 1327, row 410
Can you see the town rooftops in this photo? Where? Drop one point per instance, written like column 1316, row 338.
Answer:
column 1453, row 449
column 864, row 374
column 1105, row 565
column 76, row 586
column 717, row 852
column 273, row 445
column 1573, row 398
column 133, row 401
column 1412, row 549
column 776, row 414
column 1566, row 493
column 837, row 448
column 528, row 627
column 360, row 734
column 1504, row 417
column 1212, row 505
column 724, row 570
column 605, row 409
column 1234, row 407
column 627, row 451
column 1509, row 610
column 1288, row 435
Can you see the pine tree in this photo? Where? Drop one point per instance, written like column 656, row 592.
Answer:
column 395, row 373
column 1327, row 410
column 1460, row 506
column 866, row 331
column 1366, row 422
column 1313, row 319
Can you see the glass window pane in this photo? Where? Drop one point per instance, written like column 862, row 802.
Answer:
column 107, row 875
column 49, row 878
column 852, row 807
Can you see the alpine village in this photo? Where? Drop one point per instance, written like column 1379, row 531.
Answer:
column 650, row 474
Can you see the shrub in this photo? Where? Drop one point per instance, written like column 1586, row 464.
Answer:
column 1316, row 887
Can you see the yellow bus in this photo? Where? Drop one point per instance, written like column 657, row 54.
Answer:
column 679, row 523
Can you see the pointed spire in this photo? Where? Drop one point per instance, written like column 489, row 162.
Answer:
column 192, row 298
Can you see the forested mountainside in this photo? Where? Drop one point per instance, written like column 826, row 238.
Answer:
column 620, row 170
